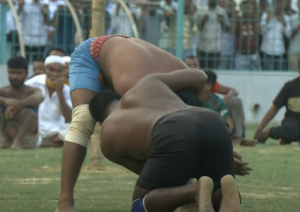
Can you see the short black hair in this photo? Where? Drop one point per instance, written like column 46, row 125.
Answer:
column 18, row 62
column 39, row 60
column 211, row 77
column 190, row 57
column 55, row 49
column 101, row 102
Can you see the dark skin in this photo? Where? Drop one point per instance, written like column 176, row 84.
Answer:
column 55, row 72
column 262, row 134
column 130, row 149
column 15, row 97
column 115, row 53
column 38, row 68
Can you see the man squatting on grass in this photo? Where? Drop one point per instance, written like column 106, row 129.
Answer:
column 153, row 133
column 117, row 63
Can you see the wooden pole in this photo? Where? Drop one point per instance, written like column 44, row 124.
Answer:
column 98, row 29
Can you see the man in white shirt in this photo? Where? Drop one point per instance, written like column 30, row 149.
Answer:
column 212, row 23
column 274, row 26
column 34, row 19
column 55, row 111
column 294, row 48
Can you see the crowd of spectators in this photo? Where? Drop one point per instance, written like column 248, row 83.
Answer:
column 224, row 34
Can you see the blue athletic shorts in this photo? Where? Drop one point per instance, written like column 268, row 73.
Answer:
column 138, row 205
column 84, row 71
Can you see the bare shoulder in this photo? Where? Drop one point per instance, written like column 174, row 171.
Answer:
column 4, row 91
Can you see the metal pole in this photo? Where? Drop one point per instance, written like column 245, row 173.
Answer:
column 3, row 34
column 179, row 28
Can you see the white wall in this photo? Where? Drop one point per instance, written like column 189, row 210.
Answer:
column 253, row 87
column 256, row 88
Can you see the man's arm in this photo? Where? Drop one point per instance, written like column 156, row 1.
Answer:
column 65, row 109
column 33, row 100
column 279, row 101
column 182, row 79
column 227, row 91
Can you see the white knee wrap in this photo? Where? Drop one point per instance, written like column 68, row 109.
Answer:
column 82, row 126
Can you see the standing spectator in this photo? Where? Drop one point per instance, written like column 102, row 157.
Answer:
column 64, row 28
column 247, row 32
column 294, row 48
column 34, row 19
column 274, row 26
column 120, row 22
column 288, row 8
column 263, row 6
column 228, row 37
column 211, row 24
column 167, row 27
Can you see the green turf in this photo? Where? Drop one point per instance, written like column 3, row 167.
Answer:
column 29, row 181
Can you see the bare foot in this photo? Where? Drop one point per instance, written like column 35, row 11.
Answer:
column 246, row 142
column 3, row 143
column 16, row 145
column 230, row 198
column 203, row 198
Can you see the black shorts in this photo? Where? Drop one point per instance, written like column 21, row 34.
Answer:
column 188, row 144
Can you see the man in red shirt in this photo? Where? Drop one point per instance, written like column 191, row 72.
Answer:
column 247, row 34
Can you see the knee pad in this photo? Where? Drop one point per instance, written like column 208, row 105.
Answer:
column 82, row 126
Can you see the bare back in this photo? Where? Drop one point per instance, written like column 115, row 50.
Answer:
column 130, row 126
column 125, row 61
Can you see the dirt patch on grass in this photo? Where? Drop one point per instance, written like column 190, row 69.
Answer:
column 32, row 181
column 105, row 169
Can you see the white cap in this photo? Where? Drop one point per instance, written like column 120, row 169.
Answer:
column 45, row 2
column 54, row 59
column 66, row 59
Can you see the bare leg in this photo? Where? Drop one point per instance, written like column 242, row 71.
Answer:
column 3, row 143
column 96, row 155
column 192, row 207
column 27, row 124
column 168, row 199
column 230, row 197
column 53, row 142
column 243, row 142
column 73, row 157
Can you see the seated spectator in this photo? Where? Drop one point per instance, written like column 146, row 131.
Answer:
column 274, row 26
column 215, row 103
column 247, row 35
column 288, row 131
column 294, row 48
column 56, row 51
column 192, row 62
column 18, row 108
column 38, row 67
column 67, row 60
column 56, row 110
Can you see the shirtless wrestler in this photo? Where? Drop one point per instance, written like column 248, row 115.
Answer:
column 151, row 132
column 114, row 62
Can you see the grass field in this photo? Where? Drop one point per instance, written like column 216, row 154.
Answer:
column 30, row 181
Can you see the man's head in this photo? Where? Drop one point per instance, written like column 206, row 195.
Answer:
column 212, row 3
column 38, row 66
column 279, row 6
column 246, row 7
column 67, row 60
column 100, row 106
column 211, row 81
column 230, row 7
column 55, row 67
column 192, row 62
column 288, row 5
column 17, row 68
column 262, row 6
column 56, row 51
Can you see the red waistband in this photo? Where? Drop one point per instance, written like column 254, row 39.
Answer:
column 97, row 44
